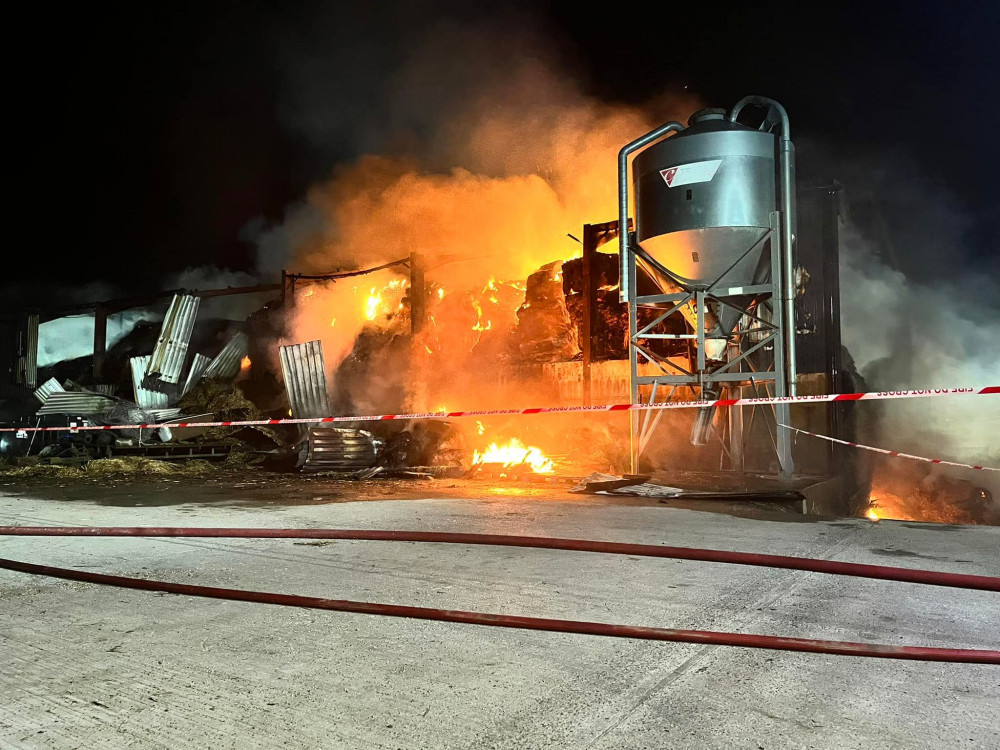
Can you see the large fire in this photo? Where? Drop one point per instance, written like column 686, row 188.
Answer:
column 514, row 453
column 461, row 240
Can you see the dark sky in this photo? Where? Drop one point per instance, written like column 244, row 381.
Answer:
column 154, row 136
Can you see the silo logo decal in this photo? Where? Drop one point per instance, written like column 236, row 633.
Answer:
column 689, row 174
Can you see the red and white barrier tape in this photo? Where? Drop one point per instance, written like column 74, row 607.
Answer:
column 880, row 395
column 887, row 452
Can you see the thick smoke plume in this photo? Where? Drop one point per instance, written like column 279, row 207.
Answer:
column 480, row 154
column 907, row 334
column 497, row 156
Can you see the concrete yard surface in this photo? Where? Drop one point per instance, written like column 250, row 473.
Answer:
column 87, row 666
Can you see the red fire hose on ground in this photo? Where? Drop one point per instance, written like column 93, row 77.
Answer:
column 971, row 656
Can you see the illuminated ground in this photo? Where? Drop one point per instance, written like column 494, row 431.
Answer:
column 88, row 666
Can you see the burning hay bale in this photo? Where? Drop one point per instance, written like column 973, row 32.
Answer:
column 372, row 376
column 545, row 331
column 609, row 334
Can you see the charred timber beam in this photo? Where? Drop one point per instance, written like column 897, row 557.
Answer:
column 418, row 293
column 590, row 241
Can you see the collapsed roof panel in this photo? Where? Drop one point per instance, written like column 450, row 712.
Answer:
column 303, row 369
column 146, row 399
column 198, row 365
column 227, row 362
column 47, row 388
column 164, row 371
column 73, row 403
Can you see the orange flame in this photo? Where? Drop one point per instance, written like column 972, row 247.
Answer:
column 872, row 515
column 245, row 364
column 514, row 453
column 371, row 304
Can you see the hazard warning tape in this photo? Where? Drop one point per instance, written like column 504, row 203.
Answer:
column 822, row 398
column 887, row 452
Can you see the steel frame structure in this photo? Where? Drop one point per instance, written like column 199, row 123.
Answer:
column 756, row 351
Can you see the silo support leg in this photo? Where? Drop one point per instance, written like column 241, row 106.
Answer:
column 784, row 441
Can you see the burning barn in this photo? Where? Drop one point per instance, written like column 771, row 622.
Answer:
column 694, row 302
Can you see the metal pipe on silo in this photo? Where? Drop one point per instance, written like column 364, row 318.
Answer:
column 623, row 240
column 786, row 170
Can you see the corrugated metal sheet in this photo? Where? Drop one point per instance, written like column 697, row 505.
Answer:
column 166, row 365
column 47, row 388
column 227, row 363
column 75, row 403
column 305, row 379
column 338, row 450
column 146, row 399
column 105, row 389
column 163, row 415
column 198, row 365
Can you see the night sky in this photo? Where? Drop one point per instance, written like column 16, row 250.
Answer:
column 154, row 138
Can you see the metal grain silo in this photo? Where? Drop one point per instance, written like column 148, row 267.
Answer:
column 714, row 227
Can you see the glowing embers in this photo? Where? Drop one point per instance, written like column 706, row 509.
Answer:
column 513, row 455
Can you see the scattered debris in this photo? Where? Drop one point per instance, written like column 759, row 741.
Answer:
column 225, row 402
column 596, row 483
column 141, row 465
column 630, row 484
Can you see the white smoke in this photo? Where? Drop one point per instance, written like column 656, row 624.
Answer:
column 72, row 337
column 905, row 335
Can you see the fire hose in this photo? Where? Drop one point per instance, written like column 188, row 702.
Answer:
column 907, row 575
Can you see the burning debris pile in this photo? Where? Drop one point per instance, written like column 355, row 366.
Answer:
column 917, row 492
